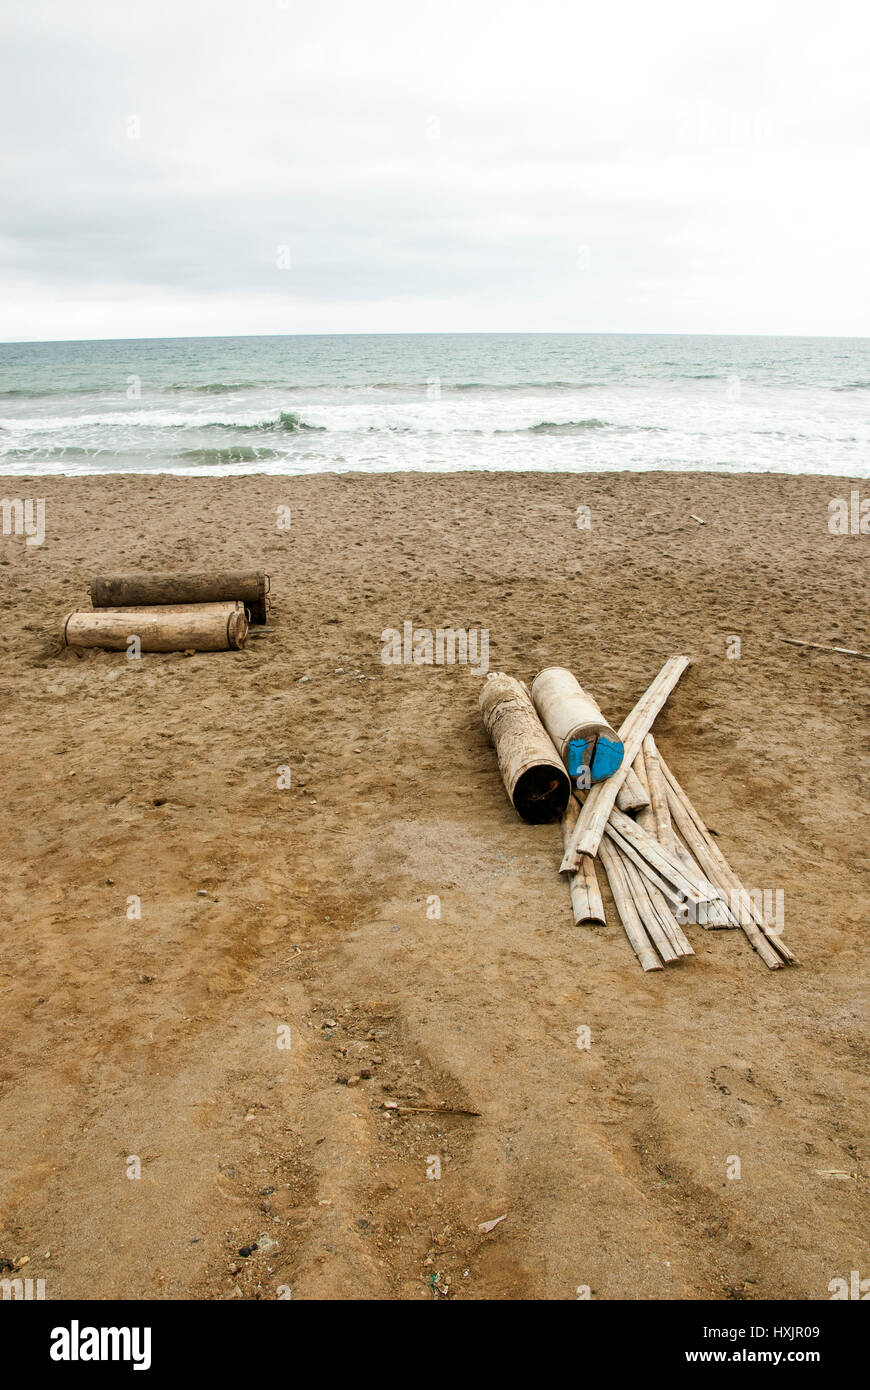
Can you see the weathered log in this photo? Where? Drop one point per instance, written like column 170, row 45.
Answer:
column 208, row 586
column 573, row 720
column 531, row 769
column 600, row 802
column 586, row 901
column 172, row 627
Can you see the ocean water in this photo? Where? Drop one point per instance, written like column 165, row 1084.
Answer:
column 436, row 402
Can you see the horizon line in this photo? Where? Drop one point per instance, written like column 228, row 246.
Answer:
column 438, row 333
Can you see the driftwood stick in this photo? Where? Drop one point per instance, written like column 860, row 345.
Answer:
column 749, row 918
column 822, row 647
column 599, row 803
column 628, row 914
column 586, row 901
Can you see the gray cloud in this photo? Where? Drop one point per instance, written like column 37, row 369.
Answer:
column 464, row 166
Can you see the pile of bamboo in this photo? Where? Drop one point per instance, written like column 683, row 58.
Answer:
column 663, row 867
column 203, row 612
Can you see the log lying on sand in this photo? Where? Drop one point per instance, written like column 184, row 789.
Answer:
column 208, row 586
column 531, row 769
column 582, row 735
column 586, row 901
column 202, row 627
column 599, row 803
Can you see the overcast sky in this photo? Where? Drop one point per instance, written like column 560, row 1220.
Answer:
column 449, row 166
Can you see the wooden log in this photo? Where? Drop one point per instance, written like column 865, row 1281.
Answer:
column 203, row 627
column 209, row 586
column 770, row 947
column 531, row 769
column 586, row 901
column 573, row 720
column 632, row 794
column 599, row 803
column 628, row 914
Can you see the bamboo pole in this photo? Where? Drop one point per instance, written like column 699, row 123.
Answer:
column 645, row 818
column 174, row 627
column 628, row 913
column 646, row 912
column 586, row 901
column 600, row 802
column 731, row 883
column 658, row 793
column 769, row 946
column 715, row 914
column 532, row 772
column 669, row 920
column 632, row 795
column 697, row 887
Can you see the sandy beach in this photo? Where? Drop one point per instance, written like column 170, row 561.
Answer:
column 176, row 1086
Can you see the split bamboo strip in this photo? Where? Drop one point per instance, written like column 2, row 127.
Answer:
column 647, row 913
column 731, row 884
column 697, row 887
column 658, row 793
column 749, row 918
column 715, row 914
column 586, row 901
column 628, row 914
column 645, row 818
column 632, row 795
column 674, row 895
column 600, row 802
column 669, row 921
